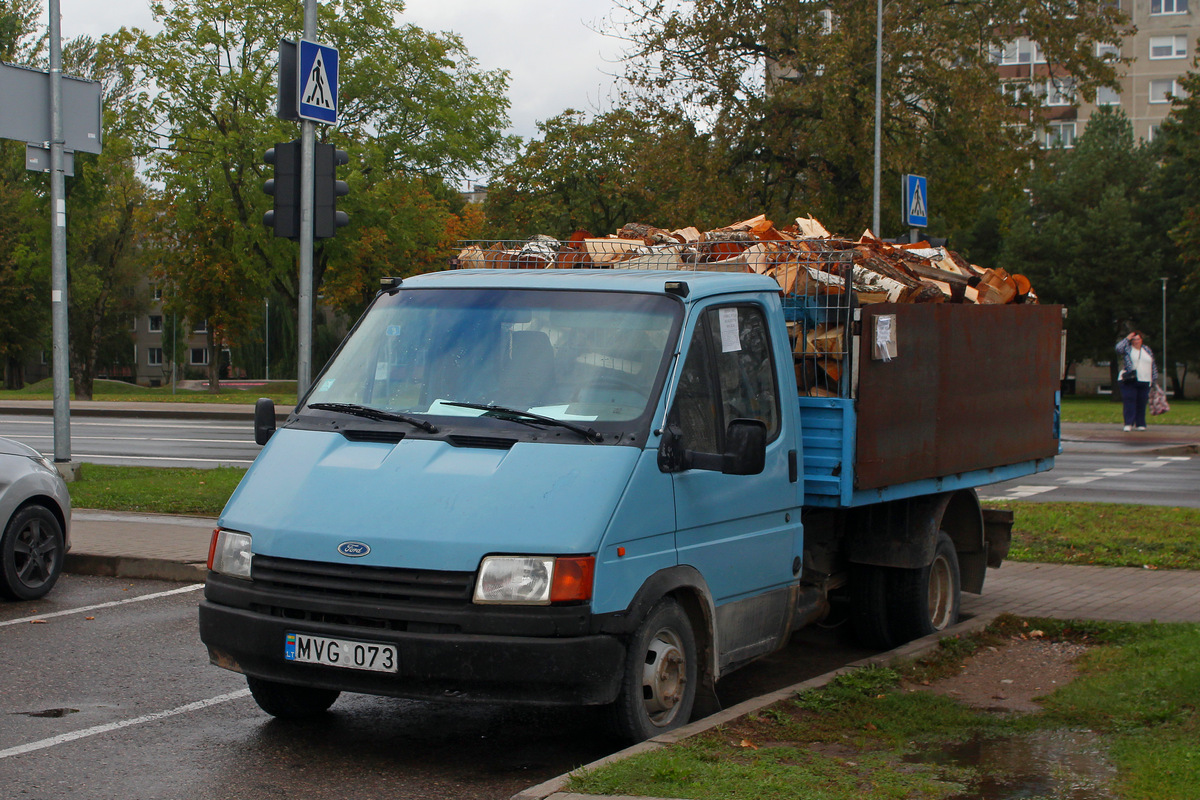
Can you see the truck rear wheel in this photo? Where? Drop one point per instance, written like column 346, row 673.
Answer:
column 869, row 586
column 658, row 688
column 287, row 701
column 926, row 600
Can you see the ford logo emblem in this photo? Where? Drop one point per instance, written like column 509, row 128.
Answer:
column 353, row 549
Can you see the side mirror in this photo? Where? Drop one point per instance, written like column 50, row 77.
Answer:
column 671, row 455
column 264, row 420
column 745, row 447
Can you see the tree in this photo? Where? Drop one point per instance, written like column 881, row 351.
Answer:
column 411, row 102
column 1173, row 203
column 787, row 88
column 24, row 261
column 107, row 202
column 1083, row 238
column 597, row 174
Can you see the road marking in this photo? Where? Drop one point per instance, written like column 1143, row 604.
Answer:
column 147, row 424
column 1159, row 463
column 1029, row 491
column 125, row 723
column 1080, row 480
column 110, row 604
column 1104, row 471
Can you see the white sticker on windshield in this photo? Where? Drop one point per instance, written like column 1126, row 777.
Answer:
column 381, row 371
column 326, row 385
column 731, row 338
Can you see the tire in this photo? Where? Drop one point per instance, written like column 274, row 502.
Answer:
column 869, row 587
column 31, row 553
column 287, row 701
column 658, row 688
column 926, row 600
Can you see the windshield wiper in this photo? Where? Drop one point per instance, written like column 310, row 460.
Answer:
column 517, row 415
column 375, row 413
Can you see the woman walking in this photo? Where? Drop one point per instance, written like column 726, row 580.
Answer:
column 1138, row 372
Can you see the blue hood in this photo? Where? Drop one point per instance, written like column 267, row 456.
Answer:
column 425, row 504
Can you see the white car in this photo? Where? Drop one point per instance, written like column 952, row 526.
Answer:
column 35, row 522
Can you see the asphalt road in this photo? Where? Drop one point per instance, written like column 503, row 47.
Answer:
column 120, row 701
column 1108, row 478
column 150, row 442
column 191, row 442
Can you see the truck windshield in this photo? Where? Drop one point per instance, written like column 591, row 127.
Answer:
column 569, row 355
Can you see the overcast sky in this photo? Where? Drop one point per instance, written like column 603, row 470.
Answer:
column 550, row 47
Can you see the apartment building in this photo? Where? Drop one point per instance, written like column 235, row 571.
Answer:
column 152, row 345
column 1162, row 50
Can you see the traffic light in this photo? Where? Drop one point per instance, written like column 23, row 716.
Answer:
column 284, row 218
column 327, row 189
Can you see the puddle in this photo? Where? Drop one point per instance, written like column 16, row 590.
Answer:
column 53, row 713
column 1065, row 765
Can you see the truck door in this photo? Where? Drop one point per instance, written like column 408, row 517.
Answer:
column 739, row 531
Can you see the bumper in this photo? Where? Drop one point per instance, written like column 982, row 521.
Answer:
column 465, row 667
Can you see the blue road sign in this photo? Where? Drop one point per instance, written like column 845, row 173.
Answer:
column 318, row 82
column 915, row 207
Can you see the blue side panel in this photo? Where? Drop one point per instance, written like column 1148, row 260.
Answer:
column 827, row 431
column 827, row 425
column 950, row 483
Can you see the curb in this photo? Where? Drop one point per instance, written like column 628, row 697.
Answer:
column 552, row 789
column 154, row 569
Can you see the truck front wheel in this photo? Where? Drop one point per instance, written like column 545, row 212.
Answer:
column 926, row 600
column 658, row 688
column 287, row 701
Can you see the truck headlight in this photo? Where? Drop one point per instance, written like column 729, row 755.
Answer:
column 534, row 580
column 229, row 553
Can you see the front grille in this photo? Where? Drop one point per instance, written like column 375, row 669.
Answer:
column 358, row 582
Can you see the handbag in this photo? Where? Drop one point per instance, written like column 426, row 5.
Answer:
column 1157, row 402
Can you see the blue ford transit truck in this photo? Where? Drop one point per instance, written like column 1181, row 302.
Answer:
column 613, row 487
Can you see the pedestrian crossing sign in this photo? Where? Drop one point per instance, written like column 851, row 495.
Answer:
column 318, row 82
column 914, row 208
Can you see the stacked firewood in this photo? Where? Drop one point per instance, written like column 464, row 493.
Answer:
column 803, row 257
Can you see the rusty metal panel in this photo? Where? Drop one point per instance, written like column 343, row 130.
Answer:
column 970, row 387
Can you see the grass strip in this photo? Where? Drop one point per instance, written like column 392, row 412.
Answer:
column 867, row 734
column 1105, row 534
column 282, row 392
column 170, row 490
column 1097, row 408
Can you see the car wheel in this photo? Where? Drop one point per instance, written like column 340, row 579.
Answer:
column 288, row 701
column 658, row 688
column 31, row 553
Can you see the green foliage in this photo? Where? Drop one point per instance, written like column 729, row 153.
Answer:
column 415, row 111
column 802, row 139
column 598, row 174
column 1083, row 241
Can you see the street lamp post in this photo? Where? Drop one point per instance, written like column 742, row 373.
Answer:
column 878, row 116
column 1164, row 329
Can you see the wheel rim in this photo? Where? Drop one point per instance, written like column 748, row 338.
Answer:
column 941, row 593
column 664, row 677
column 35, row 554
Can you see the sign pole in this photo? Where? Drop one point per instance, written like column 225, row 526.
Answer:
column 58, row 255
column 307, row 140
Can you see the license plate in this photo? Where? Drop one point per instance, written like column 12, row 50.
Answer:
column 344, row 653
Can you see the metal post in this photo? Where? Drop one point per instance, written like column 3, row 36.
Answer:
column 305, row 315
column 267, row 338
column 174, row 347
column 878, row 116
column 58, row 252
column 1164, row 323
